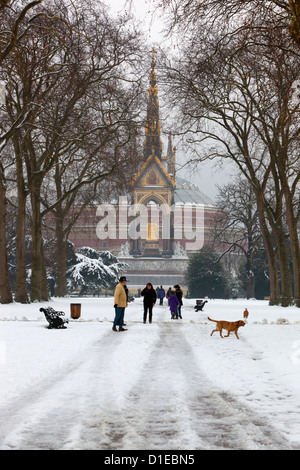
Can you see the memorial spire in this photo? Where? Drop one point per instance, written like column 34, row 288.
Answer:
column 152, row 143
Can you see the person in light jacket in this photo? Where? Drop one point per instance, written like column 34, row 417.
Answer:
column 120, row 303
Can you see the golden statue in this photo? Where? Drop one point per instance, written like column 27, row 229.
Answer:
column 153, row 232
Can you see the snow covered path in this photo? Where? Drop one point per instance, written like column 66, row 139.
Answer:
column 141, row 389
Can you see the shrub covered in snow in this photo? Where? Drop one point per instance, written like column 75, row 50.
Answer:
column 91, row 270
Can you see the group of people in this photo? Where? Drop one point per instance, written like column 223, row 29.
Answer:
column 150, row 297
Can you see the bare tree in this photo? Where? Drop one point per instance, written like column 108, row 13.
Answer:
column 234, row 93
column 5, row 289
column 73, row 58
column 237, row 225
column 186, row 13
column 81, row 184
column 9, row 37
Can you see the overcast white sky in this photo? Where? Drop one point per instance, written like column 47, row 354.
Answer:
column 143, row 11
column 209, row 174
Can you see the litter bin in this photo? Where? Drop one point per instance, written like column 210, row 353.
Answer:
column 75, row 310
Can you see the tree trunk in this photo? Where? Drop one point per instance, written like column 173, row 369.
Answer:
column 61, row 241
column 61, row 260
column 295, row 247
column 285, row 274
column 38, row 289
column 272, row 258
column 45, row 296
column 21, row 285
column 250, row 286
column 249, row 264
column 276, row 220
column 5, row 288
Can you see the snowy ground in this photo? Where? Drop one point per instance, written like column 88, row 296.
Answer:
column 164, row 386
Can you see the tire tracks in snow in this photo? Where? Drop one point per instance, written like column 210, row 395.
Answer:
column 45, row 414
column 166, row 403
column 172, row 406
column 75, row 408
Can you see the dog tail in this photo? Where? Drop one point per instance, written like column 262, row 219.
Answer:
column 212, row 320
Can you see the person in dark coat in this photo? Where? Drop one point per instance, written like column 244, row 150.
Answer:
column 150, row 297
column 179, row 295
column 161, row 295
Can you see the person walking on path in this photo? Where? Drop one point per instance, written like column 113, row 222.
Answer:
column 173, row 303
column 120, row 303
column 161, row 295
column 179, row 295
column 168, row 292
column 150, row 297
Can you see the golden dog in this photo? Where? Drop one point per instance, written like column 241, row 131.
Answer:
column 246, row 313
column 227, row 325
